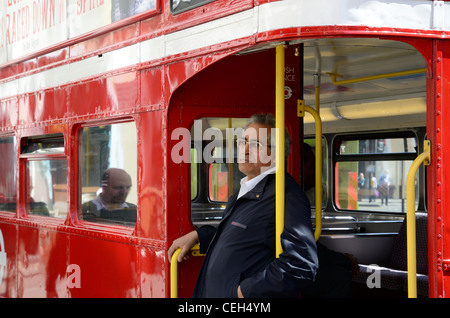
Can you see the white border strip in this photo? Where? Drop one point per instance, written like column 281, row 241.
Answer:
column 68, row 73
column 223, row 30
column 233, row 27
column 408, row 14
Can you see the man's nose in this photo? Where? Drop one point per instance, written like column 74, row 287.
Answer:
column 246, row 150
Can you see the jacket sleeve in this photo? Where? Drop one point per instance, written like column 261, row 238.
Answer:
column 297, row 265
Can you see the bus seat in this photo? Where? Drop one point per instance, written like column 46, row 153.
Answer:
column 395, row 277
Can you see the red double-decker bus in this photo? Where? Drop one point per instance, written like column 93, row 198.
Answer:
column 95, row 88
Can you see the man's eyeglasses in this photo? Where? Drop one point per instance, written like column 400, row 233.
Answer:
column 120, row 188
column 252, row 144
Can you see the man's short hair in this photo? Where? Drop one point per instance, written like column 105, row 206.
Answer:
column 269, row 120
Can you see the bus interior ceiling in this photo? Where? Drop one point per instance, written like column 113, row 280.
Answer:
column 391, row 102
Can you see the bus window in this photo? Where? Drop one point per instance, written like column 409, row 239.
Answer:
column 178, row 6
column 214, row 166
column 220, row 185
column 309, row 169
column 8, row 168
column 108, row 169
column 370, row 173
column 46, row 187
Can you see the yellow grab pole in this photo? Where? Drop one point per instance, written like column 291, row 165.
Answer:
column 374, row 77
column 174, row 274
column 318, row 173
column 279, row 159
column 317, row 99
column 230, row 158
column 425, row 158
column 174, row 269
column 318, row 179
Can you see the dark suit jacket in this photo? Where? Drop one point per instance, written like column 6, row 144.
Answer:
column 241, row 251
column 91, row 213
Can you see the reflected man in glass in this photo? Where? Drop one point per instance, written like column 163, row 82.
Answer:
column 110, row 204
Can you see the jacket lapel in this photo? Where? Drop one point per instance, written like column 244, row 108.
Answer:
column 255, row 194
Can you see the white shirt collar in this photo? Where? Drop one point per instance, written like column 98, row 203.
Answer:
column 248, row 185
column 100, row 205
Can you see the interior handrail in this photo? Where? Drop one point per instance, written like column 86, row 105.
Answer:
column 424, row 158
column 374, row 77
column 174, row 269
column 301, row 108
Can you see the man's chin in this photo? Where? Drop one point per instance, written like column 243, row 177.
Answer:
column 244, row 166
column 249, row 168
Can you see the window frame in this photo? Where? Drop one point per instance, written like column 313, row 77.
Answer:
column 27, row 176
column 16, row 183
column 121, row 228
column 204, row 201
column 26, row 157
column 325, row 169
column 336, row 158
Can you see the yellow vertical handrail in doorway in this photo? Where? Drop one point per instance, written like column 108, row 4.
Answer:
column 301, row 109
column 424, row 158
column 174, row 269
column 174, row 274
column 279, row 159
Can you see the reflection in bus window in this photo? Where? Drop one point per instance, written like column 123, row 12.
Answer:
column 108, row 167
column 47, row 187
column 371, row 174
column 8, row 169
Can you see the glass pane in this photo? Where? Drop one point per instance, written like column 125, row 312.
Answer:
column 378, row 146
column 214, row 157
column 309, row 170
column 372, row 185
column 43, row 144
column 220, row 187
column 8, row 172
column 47, row 188
column 108, row 165
column 178, row 6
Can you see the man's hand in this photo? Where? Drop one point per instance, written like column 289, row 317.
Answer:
column 185, row 242
column 239, row 292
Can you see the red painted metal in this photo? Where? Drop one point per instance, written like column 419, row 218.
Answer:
column 439, row 233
